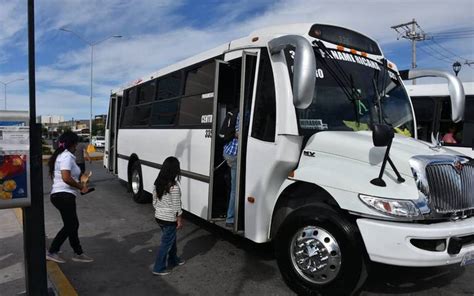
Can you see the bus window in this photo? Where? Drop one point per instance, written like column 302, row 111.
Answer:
column 200, row 80
column 141, row 115
column 194, row 110
column 468, row 128
column 164, row 113
column 264, row 116
column 132, row 96
column 464, row 130
column 146, row 92
column 169, row 86
column 424, row 112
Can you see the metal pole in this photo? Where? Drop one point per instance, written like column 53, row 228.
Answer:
column 413, row 49
column 33, row 216
column 92, row 75
column 5, row 96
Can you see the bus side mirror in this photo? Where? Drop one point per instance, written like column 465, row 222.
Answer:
column 382, row 135
column 304, row 67
column 456, row 90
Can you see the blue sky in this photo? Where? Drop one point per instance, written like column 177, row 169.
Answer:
column 157, row 33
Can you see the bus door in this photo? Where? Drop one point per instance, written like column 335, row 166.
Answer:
column 110, row 151
column 235, row 79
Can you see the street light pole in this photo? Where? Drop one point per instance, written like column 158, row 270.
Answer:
column 92, row 75
column 5, row 88
column 91, row 44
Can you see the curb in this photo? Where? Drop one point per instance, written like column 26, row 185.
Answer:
column 56, row 277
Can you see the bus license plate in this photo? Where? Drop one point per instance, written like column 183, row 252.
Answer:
column 468, row 259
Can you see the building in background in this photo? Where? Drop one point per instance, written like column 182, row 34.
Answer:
column 49, row 119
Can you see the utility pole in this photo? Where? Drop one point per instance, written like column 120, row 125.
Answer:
column 409, row 31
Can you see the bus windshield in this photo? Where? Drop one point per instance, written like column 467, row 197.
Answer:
column 352, row 92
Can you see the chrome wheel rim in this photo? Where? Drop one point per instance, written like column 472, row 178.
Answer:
column 135, row 182
column 315, row 255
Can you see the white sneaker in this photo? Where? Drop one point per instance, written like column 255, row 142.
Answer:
column 82, row 258
column 54, row 257
column 161, row 273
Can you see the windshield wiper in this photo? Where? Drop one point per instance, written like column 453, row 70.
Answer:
column 353, row 95
column 380, row 95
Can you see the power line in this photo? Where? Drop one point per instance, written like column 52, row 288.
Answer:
column 441, row 58
column 447, row 50
column 449, row 57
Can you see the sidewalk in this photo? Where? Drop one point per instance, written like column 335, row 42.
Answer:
column 12, row 265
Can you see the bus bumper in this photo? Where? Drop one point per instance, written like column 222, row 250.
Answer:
column 394, row 243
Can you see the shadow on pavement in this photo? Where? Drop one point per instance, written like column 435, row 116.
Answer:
column 120, row 267
column 386, row 279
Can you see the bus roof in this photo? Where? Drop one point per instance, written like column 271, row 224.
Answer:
column 264, row 36
column 436, row 90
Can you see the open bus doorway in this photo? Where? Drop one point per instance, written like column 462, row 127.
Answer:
column 235, row 83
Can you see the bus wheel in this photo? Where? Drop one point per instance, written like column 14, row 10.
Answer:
column 319, row 252
column 136, row 184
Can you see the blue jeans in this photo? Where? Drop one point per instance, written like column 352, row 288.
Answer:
column 167, row 249
column 232, row 162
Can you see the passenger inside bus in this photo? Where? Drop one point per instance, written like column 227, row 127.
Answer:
column 449, row 137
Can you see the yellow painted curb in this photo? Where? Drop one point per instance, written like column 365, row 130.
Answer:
column 19, row 215
column 55, row 275
column 59, row 280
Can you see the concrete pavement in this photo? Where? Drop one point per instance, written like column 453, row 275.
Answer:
column 123, row 238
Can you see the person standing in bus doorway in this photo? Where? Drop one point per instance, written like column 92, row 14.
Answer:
column 64, row 172
column 167, row 204
column 82, row 155
column 230, row 155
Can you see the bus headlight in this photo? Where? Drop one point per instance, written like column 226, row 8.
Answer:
column 391, row 207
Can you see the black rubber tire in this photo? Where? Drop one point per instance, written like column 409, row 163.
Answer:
column 353, row 268
column 142, row 196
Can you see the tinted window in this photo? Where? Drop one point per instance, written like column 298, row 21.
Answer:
column 193, row 109
column 200, row 80
column 136, row 116
column 469, row 109
column 264, row 116
column 147, row 92
column 164, row 113
column 424, row 113
column 141, row 115
column 132, row 96
column 127, row 117
column 169, row 86
column 424, row 108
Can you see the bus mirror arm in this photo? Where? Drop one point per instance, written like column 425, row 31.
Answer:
column 304, row 67
column 456, row 90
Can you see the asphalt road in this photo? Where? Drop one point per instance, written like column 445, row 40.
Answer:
column 123, row 237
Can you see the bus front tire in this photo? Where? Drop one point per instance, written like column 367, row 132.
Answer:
column 136, row 184
column 319, row 252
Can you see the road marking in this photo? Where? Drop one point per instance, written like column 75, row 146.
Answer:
column 11, row 273
column 55, row 275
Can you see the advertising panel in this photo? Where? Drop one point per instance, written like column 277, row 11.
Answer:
column 14, row 160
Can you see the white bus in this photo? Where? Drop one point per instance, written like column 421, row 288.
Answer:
column 319, row 105
column 432, row 110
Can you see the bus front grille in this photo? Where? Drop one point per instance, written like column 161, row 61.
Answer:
column 451, row 187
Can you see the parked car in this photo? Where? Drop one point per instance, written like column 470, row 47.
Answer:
column 98, row 141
